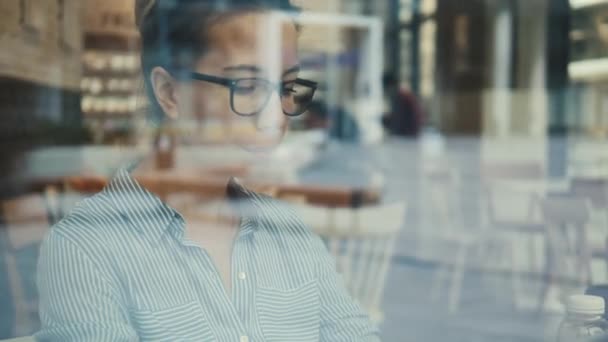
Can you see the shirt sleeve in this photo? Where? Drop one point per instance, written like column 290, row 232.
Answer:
column 77, row 302
column 342, row 318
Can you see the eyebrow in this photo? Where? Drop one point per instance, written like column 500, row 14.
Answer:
column 256, row 69
column 293, row 69
column 243, row 67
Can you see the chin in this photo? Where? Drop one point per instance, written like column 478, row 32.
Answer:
column 260, row 145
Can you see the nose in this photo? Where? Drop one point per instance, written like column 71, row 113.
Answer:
column 271, row 119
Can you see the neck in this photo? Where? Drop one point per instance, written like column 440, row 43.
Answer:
column 152, row 178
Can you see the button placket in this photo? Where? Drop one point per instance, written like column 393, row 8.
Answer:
column 241, row 283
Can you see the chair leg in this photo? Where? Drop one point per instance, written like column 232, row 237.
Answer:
column 584, row 262
column 549, row 277
column 457, row 279
column 486, row 255
column 532, row 257
column 515, row 285
column 587, row 266
column 606, row 258
column 441, row 274
column 22, row 317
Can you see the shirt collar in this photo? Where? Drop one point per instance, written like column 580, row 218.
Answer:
column 149, row 215
column 245, row 203
column 144, row 210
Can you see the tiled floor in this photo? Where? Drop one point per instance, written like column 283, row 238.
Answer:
column 486, row 314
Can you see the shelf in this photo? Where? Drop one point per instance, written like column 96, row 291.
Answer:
column 580, row 4
column 589, row 70
column 110, row 41
column 109, row 115
column 113, row 93
column 107, row 73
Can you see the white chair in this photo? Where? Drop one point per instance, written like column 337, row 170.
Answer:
column 362, row 241
column 513, row 219
column 444, row 228
column 26, row 222
column 567, row 218
column 510, row 216
column 596, row 191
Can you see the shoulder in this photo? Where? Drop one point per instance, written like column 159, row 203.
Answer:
column 90, row 225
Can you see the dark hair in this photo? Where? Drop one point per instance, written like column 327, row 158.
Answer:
column 174, row 32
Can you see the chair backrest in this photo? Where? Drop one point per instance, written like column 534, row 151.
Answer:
column 566, row 210
column 512, row 170
column 595, row 189
column 512, row 201
column 498, row 202
column 362, row 241
column 440, row 203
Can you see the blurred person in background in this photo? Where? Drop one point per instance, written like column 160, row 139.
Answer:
column 125, row 266
column 406, row 116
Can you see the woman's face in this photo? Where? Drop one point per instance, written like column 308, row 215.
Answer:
column 241, row 46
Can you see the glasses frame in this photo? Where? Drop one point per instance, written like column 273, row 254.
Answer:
column 232, row 84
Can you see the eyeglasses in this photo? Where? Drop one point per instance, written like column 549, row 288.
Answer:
column 250, row 96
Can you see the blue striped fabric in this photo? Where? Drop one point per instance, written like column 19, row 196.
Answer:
column 119, row 268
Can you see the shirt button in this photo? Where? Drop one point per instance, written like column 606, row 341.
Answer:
column 244, row 339
column 242, row 276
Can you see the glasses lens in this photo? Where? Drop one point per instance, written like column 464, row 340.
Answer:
column 250, row 96
column 296, row 98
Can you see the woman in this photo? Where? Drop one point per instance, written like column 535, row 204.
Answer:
column 124, row 266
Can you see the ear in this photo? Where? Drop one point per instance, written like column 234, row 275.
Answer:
column 165, row 91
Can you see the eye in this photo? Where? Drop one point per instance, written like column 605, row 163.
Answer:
column 247, row 87
column 286, row 91
column 288, row 88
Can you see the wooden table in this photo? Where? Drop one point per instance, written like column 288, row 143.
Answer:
column 210, row 185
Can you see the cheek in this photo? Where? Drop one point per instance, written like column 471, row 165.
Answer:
column 284, row 126
column 245, row 132
column 203, row 102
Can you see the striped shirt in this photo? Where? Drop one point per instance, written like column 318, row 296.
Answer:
column 120, row 268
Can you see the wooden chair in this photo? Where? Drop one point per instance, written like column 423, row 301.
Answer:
column 26, row 222
column 362, row 241
column 567, row 220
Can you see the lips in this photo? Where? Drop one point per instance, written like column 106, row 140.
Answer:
column 262, row 150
